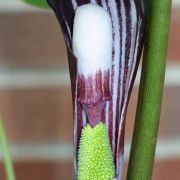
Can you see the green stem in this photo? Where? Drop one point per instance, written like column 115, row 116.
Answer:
column 151, row 91
column 6, row 154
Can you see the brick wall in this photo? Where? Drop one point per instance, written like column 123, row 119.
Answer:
column 41, row 114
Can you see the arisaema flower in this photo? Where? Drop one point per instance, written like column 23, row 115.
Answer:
column 104, row 42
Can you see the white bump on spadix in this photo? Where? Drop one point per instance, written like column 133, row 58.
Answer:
column 92, row 39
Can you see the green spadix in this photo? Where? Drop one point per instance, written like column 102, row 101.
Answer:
column 95, row 160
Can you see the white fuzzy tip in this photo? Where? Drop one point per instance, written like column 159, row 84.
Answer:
column 92, row 39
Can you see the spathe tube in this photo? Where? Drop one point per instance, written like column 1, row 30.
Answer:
column 128, row 26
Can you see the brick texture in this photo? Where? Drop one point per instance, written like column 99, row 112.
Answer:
column 34, row 115
column 46, row 114
column 163, row 170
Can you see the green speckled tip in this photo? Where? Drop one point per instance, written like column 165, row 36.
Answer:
column 38, row 3
column 95, row 159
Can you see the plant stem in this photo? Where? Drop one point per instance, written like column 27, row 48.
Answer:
column 151, row 91
column 6, row 154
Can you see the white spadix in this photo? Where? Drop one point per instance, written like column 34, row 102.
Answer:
column 92, row 39
column 92, row 46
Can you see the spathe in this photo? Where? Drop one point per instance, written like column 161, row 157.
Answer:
column 128, row 28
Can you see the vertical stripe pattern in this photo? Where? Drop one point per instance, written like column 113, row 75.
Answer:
column 128, row 26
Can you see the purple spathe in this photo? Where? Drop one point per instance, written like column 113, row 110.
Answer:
column 111, row 90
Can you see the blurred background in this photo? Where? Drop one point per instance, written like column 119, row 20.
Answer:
column 35, row 97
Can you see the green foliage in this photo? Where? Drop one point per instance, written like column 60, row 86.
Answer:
column 38, row 3
column 95, row 159
column 6, row 153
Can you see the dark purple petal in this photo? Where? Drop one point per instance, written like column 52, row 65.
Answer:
column 128, row 26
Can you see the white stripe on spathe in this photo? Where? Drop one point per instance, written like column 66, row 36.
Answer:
column 119, row 158
column 104, row 4
column 74, row 3
column 115, row 70
column 75, row 126
column 84, row 117
column 131, row 62
column 93, row 1
column 132, row 57
column 123, row 48
column 107, row 116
